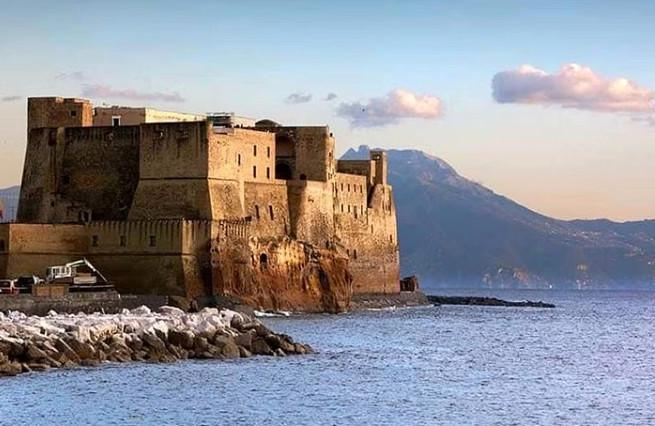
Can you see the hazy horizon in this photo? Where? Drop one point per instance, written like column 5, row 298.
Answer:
column 551, row 105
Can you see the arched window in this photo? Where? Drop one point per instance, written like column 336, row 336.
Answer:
column 282, row 171
column 263, row 260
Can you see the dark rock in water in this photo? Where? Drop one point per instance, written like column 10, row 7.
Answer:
column 486, row 301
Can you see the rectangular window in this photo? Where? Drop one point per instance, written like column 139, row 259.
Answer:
column 270, row 212
column 257, row 212
column 268, row 151
column 254, row 150
column 123, row 241
column 94, row 241
column 254, row 171
column 348, row 187
column 73, row 113
column 268, row 172
column 342, row 208
column 116, row 120
column 3, row 246
column 153, row 241
column 239, row 159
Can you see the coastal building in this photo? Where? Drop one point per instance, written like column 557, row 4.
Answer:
column 194, row 206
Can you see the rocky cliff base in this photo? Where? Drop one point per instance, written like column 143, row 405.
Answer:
column 32, row 343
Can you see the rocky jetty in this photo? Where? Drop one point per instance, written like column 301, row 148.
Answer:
column 33, row 343
column 486, row 301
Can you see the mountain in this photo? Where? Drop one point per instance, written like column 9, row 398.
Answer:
column 9, row 196
column 455, row 232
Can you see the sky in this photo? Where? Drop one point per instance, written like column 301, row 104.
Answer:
column 550, row 103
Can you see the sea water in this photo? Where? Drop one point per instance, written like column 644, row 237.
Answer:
column 591, row 360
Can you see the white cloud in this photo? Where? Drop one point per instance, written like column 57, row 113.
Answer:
column 100, row 91
column 330, row 96
column 299, row 98
column 573, row 86
column 389, row 109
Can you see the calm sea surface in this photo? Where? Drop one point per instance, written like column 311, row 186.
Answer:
column 589, row 361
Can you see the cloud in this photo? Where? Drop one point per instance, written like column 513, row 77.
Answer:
column 298, row 98
column 100, row 91
column 11, row 98
column 573, row 86
column 330, row 96
column 396, row 105
column 74, row 75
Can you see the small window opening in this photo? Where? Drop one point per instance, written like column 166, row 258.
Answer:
column 153, row 241
column 303, row 177
column 94, row 241
column 257, row 212
column 3, row 246
column 116, row 121
column 123, row 241
column 354, row 253
column 270, row 212
column 263, row 260
column 239, row 159
column 73, row 113
column 66, row 180
column 254, row 171
column 268, row 172
column 254, row 150
column 348, row 187
column 268, row 151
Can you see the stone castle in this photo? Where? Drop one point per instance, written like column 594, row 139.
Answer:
column 202, row 206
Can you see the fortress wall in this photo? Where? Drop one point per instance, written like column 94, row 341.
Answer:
column 174, row 150
column 58, row 112
column 79, row 169
column 351, row 193
column 372, row 244
column 173, row 169
column 30, row 248
column 99, row 172
column 311, row 211
column 314, row 151
column 153, row 257
column 45, row 148
column 268, row 206
column 251, row 152
column 358, row 167
column 171, row 199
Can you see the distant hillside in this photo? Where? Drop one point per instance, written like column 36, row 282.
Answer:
column 455, row 232
column 10, row 198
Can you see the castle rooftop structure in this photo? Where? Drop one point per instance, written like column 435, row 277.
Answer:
column 246, row 209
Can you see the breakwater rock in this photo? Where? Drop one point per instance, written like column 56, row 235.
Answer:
column 32, row 343
column 486, row 301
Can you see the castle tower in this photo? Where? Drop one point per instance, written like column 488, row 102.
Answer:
column 58, row 112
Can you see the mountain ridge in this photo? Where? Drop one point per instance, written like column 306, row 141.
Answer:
column 454, row 231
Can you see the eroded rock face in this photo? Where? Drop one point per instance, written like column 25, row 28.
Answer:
column 283, row 274
column 31, row 343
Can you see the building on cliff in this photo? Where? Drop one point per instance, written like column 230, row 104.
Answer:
column 195, row 206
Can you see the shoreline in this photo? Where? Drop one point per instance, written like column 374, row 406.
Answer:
column 34, row 343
